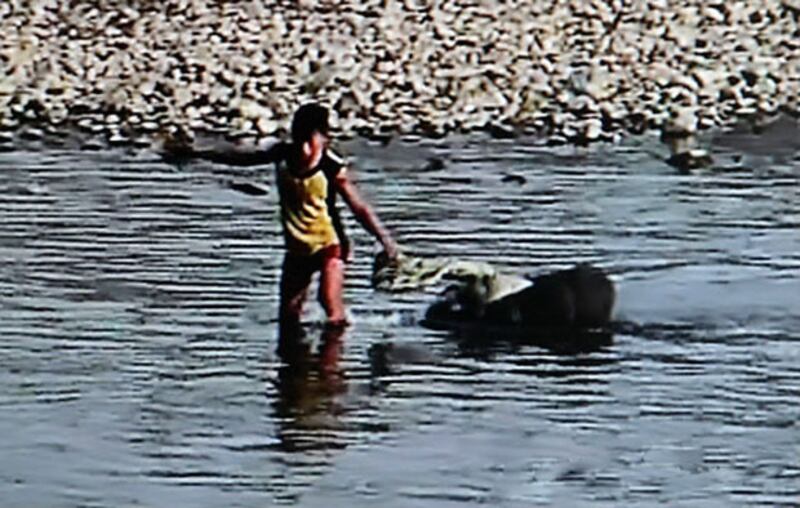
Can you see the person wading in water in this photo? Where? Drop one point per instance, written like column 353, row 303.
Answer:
column 309, row 176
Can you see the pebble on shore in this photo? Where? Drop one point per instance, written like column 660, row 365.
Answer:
column 571, row 70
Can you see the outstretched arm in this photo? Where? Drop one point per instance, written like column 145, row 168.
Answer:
column 239, row 157
column 176, row 152
column 364, row 213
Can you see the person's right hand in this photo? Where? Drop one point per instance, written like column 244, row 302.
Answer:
column 390, row 248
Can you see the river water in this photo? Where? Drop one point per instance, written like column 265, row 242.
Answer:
column 137, row 335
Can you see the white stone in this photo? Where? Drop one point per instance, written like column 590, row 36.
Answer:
column 593, row 128
column 266, row 126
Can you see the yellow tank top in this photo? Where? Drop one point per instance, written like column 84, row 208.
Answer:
column 306, row 203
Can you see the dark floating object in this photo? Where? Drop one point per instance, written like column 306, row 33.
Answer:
column 33, row 189
column 32, row 134
column 6, row 142
column 695, row 158
column 142, row 142
column 502, row 131
column 92, row 145
column 177, row 146
column 382, row 137
column 511, row 178
column 118, row 140
column 434, row 164
column 384, row 356
column 250, row 189
column 566, row 312
column 579, row 297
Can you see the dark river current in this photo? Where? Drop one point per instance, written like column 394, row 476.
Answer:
column 137, row 335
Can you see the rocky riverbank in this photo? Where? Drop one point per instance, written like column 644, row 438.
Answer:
column 570, row 70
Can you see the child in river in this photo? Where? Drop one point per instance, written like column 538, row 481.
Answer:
column 309, row 176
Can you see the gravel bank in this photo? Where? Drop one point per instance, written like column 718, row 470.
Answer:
column 572, row 70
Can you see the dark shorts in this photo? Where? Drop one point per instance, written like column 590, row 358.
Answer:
column 298, row 269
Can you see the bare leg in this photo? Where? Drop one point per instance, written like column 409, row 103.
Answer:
column 331, row 348
column 331, row 286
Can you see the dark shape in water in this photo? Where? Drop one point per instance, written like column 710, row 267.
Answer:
column 248, row 188
column 570, row 308
column 582, row 296
column 696, row 158
column 685, row 155
column 501, row 131
column 383, row 356
column 434, row 164
column 483, row 340
column 513, row 178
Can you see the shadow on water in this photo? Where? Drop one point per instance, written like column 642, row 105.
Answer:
column 479, row 340
column 502, row 345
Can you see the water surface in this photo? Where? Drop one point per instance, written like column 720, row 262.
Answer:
column 137, row 349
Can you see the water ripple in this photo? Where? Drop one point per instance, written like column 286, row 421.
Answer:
column 138, row 338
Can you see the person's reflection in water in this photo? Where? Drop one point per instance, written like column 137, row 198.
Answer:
column 308, row 383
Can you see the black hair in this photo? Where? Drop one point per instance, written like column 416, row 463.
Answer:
column 309, row 118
